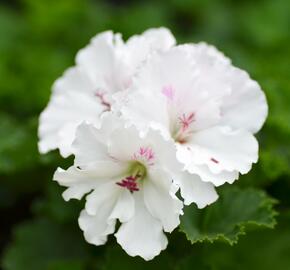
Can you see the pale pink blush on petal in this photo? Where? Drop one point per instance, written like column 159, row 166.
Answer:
column 168, row 91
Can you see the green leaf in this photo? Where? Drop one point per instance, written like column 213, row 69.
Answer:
column 264, row 249
column 42, row 244
column 227, row 219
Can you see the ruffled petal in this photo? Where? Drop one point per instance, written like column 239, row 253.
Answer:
column 124, row 142
column 184, row 155
column 217, row 178
column 105, row 193
column 144, row 109
column 96, row 228
column 139, row 47
column 124, row 208
column 194, row 190
column 104, row 206
column 123, row 202
column 142, row 235
column 90, row 145
column 219, row 152
column 97, row 58
column 160, row 199
column 224, row 149
column 80, row 182
column 245, row 107
column 65, row 111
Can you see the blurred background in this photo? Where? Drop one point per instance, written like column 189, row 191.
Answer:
column 38, row 41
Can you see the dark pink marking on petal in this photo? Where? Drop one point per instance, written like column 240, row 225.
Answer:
column 105, row 103
column 214, row 160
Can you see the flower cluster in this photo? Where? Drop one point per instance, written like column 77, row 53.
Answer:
column 144, row 119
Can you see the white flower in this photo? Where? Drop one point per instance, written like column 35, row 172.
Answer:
column 107, row 65
column 130, row 180
column 211, row 109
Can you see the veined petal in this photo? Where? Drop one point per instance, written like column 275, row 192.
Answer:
column 142, row 235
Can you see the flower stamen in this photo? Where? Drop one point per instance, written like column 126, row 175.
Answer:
column 144, row 154
column 184, row 127
column 186, row 121
column 136, row 173
column 130, row 182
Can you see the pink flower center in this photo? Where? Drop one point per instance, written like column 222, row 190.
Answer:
column 186, row 121
column 184, row 130
column 144, row 154
column 138, row 168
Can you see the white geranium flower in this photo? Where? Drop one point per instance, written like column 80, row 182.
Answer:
column 104, row 67
column 211, row 109
column 130, row 180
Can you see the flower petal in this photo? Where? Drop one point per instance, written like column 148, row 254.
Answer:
column 142, row 235
column 224, row 149
column 90, row 145
column 65, row 111
column 80, row 182
column 124, row 142
column 139, row 47
column 103, row 194
column 97, row 58
column 194, row 190
column 217, row 178
column 185, row 156
column 123, row 202
column 246, row 107
column 124, row 208
column 96, row 228
column 160, row 199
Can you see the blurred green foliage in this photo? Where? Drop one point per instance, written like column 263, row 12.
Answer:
column 38, row 41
